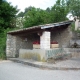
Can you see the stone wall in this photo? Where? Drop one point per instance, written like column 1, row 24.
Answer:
column 11, row 46
column 22, row 43
column 75, row 52
column 35, row 54
column 42, row 54
column 75, row 39
column 62, row 37
column 14, row 43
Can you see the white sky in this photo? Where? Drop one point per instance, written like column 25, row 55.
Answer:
column 22, row 4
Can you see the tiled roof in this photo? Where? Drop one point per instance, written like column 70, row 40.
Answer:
column 42, row 26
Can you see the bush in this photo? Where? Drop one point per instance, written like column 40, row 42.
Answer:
column 2, row 56
column 2, row 45
column 3, row 35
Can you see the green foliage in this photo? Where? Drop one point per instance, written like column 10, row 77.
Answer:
column 3, row 36
column 59, row 11
column 3, row 44
column 21, row 14
column 73, row 26
column 36, row 16
column 48, row 9
column 74, row 7
column 7, row 13
column 28, row 9
column 7, row 22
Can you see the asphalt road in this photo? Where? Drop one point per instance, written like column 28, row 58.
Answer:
column 17, row 71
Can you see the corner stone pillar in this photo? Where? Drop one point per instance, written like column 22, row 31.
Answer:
column 45, row 40
column 77, row 24
column 10, row 46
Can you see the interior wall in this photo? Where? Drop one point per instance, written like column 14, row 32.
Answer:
column 62, row 36
column 25, row 42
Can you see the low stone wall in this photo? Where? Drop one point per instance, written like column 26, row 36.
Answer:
column 55, row 53
column 44, row 55
column 41, row 54
column 35, row 54
column 75, row 52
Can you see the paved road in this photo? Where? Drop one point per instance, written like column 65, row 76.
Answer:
column 17, row 71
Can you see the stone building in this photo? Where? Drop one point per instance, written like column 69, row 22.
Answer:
column 20, row 42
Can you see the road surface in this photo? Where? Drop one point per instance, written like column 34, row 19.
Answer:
column 17, row 71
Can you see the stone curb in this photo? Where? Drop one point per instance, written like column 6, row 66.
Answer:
column 42, row 66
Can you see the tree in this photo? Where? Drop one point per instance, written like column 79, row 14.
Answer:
column 36, row 16
column 7, row 13
column 28, row 9
column 59, row 11
column 19, row 22
column 21, row 14
column 48, row 9
column 74, row 7
column 7, row 21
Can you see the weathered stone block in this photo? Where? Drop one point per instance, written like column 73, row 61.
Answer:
column 36, row 46
column 54, row 45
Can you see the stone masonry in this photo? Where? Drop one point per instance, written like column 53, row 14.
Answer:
column 63, row 37
column 11, row 46
column 14, row 43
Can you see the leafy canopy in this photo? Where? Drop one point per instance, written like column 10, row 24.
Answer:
column 74, row 7
column 7, row 13
column 36, row 16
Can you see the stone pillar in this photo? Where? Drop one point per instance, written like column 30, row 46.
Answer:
column 77, row 24
column 45, row 40
column 10, row 46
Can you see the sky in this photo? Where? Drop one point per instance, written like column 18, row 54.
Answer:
column 22, row 4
